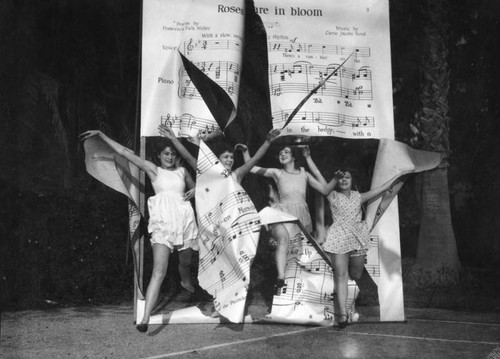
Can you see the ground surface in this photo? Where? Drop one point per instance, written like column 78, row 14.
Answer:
column 109, row 332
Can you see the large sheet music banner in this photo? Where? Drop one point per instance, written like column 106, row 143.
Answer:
column 210, row 36
column 307, row 41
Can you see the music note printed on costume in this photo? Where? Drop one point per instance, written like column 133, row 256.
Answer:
column 229, row 228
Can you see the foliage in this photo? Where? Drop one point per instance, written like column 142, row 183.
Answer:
column 64, row 247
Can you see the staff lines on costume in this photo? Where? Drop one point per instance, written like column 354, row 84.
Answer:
column 217, row 252
column 204, row 45
column 219, row 241
column 206, row 161
column 231, row 201
column 310, row 48
column 330, row 119
column 296, row 292
column 224, row 278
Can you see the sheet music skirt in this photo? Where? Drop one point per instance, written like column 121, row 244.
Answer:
column 172, row 222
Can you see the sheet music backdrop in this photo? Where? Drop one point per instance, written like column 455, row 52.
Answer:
column 307, row 42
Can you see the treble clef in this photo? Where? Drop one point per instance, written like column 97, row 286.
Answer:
column 189, row 46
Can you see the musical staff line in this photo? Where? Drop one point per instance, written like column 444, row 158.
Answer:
column 206, row 161
column 310, row 48
column 240, row 228
column 324, row 118
column 225, row 73
column 339, row 91
column 298, row 68
column 232, row 200
column 204, row 45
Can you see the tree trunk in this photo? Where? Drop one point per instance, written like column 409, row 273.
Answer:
column 436, row 241
column 437, row 248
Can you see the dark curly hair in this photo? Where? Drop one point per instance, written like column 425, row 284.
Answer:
column 159, row 145
column 353, row 173
column 296, row 154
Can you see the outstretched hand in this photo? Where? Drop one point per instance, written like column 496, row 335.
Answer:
column 273, row 134
column 166, row 131
column 87, row 134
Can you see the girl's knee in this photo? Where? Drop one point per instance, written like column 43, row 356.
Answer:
column 159, row 271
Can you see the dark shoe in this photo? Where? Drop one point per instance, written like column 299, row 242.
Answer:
column 280, row 283
column 143, row 328
column 343, row 323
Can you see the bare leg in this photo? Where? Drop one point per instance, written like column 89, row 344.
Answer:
column 282, row 237
column 161, row 255
column 185, row 269
column 356, row 266
column 340, row 265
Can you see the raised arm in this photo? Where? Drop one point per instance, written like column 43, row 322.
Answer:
column 266, row 172
column 375, row 192
column 251, row 161
column 306, row 152
column 145, row 165
column 324, row 188
column 167, row 132
column 314, row 183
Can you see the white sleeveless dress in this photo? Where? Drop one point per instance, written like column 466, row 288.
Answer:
column 171, row 218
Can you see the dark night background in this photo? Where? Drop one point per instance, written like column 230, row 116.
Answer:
column 69, row 66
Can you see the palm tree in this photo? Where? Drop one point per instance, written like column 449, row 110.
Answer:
column 437, row 248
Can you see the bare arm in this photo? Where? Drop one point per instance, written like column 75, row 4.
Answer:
column 251, row 161
column 374, row 193
column 306, row 152
column 330, row 186
column 261, row 171
column 145, row 165
column 167, row 132
column 314, row 183
column 189, row 184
